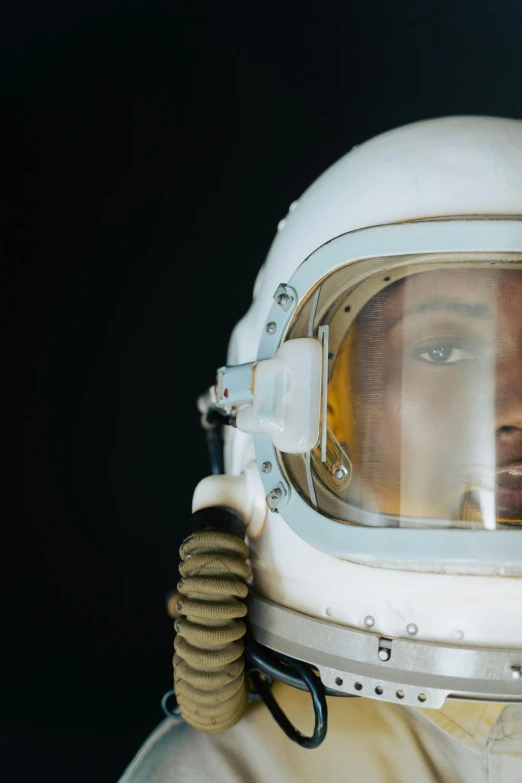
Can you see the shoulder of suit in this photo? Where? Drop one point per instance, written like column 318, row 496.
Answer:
column 158, row 758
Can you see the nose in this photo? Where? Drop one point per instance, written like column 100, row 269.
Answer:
column 509, row 410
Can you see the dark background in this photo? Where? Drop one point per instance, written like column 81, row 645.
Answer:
column 149, row 151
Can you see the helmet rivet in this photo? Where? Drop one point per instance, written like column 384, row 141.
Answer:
column 339, row 473
column 271, row 327
column 369, row 621
column 412, row 629
column 282, row 299
column 273, row 498
column 384, row 654
column 266, row 467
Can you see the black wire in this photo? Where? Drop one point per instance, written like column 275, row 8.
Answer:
column 213, row 422
column 271, row 667
column 268, row 663
column 320, row 711
column 175, row 712
column 215, row 449
column 303, row 677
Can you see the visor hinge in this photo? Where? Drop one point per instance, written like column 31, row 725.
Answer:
column 277, row 497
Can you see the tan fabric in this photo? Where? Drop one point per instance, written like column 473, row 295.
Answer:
column 368, row 742
column 469, row 723
column 214, row 572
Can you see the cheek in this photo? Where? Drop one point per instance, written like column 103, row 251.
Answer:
column 416, row 412
column 437, row 410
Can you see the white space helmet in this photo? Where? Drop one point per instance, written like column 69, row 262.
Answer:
column 375, row 393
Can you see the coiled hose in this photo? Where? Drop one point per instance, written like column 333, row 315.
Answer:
column 209, row 680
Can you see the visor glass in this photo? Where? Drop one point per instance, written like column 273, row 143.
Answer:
column 423, row 396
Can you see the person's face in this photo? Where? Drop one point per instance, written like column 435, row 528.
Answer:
column 437, row 389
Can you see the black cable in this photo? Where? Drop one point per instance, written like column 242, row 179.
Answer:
column 267, row 662
column 175, row 711
column 215, row 449
column 213, row 422
column 280, row 667
column 319, row 704
column 271, row 667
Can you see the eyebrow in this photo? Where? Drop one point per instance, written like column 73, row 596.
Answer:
column 469, row 309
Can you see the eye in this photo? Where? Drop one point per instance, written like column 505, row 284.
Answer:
column 445, row 354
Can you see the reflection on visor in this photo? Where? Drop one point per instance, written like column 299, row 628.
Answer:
column 425, row 403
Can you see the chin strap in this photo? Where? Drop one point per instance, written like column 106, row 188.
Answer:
column 209, row 679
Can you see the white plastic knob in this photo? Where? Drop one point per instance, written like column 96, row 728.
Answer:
column 287, row 397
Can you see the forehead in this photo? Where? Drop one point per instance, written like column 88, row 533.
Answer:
column 502, row 286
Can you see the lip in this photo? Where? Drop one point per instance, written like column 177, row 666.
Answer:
column 509, row 491
column 510, row 476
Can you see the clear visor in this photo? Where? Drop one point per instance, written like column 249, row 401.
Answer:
column 423, row 395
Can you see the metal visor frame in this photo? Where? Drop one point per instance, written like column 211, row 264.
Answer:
column 459, row 242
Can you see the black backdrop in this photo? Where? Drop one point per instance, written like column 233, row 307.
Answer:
column 149, row 150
